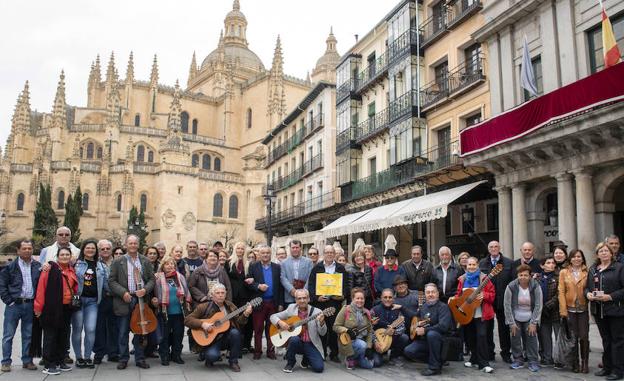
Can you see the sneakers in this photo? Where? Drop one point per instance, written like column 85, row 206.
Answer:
column 5, row 368
column 52, row 371
column 80, row 363
column 487, row 369
column 288, row 368
column 468, row 364
column 517, row 365
column 304, row 363
column 350, row 364
column 533, row 367
column 89, row 364
column 64, row 368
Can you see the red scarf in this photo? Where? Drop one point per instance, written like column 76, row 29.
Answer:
column 164, row 286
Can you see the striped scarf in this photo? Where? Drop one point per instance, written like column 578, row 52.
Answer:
column 164, row 287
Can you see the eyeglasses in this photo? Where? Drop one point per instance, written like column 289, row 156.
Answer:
column 105, row 248
column 386, row 297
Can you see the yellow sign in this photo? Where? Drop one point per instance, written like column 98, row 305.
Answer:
column 328, row 284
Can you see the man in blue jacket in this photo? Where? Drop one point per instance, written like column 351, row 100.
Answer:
column 18, row 286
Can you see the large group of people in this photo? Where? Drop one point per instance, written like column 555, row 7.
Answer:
column 362, row 311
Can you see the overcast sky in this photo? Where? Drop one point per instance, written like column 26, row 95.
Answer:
column 39, row 38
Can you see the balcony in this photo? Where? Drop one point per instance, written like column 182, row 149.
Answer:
column 289, row 180
column 313, row 125
column 373, row 72
column 466, row 76
column 346, row 140
column 347, row 89
column 405, row 43
column 403, row 105
column 434, row 93
column 300, row 135
column 434, row 28
column 372, row 127
column 306, row 207
column 461, row 10
column 278, row 152
column 313, row 164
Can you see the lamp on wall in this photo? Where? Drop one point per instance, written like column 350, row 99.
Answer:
column 553, row 217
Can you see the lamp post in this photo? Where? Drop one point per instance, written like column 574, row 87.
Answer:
column 467, row 218
column 269, row 199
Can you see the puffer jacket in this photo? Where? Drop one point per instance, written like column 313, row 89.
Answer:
column 571, row 291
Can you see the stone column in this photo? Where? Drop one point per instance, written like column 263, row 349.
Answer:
column 520, row 233
column 604, row 219
column 566, row 210
column 585, row 213
column 507, row 68
column 536, row 231
column 505, row 226
column 495, row 75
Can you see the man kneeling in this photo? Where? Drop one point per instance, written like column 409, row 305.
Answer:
column 429, row 340
column 308, row 343
column 231, row 339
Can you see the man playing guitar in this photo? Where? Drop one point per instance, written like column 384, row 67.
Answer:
column 231, row 339
column 384, row 314
column 308, row 343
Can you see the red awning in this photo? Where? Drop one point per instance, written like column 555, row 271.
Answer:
column 601, row 88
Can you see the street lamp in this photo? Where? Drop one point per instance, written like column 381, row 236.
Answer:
column 467, row 214
column 269, row 200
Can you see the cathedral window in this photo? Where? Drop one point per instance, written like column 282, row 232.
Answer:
column 195, row 161
column 184, row 119
column 60, row 201
column 143, row 203
column 206, row 161
column 140, row 154
column 99, row 152
column 194, row 131
column 118, row 206
column 150, row 156
column 90, row 149
column 217, row 206
column 20, row 202
column 217, row 164
column 137, row 120
column 233, row 207
column 249, row 116
column 85, row 201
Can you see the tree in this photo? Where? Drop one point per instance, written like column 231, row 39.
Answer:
column 46, row 223
column 137, row 226
column 73, row 212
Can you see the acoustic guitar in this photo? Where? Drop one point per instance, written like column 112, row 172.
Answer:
column 344, row 337
column 279, row 337
column 220, row 323
column 143, row 320
column 382, row 337
column 464, row 306
column 418, row 323
column 415, row 320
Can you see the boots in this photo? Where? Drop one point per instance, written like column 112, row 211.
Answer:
column 584, row 356
column 575, row 360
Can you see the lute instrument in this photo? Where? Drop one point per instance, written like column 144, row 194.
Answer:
column 382, row 337
column 279, row 337
column 464, row 306
column 220, row 323
column 418, row 323
column 143, row 320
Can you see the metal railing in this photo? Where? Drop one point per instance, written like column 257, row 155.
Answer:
column 372, row 126
column 346, row 89
column 403, row 105
column 313, row 164
column 434, row 91
column 300, row 136
column 346, row 139
column 373, row 71
column 466, row 74
column 460, row 10
column 434, row 27
column 301, row 209
column 403, row 44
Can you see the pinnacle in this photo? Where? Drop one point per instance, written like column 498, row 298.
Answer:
column 236, row 5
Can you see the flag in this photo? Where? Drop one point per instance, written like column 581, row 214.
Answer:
column 610, row 48
column 527, row 77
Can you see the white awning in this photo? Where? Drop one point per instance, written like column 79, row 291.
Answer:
column 305, row 238
column 419, row 209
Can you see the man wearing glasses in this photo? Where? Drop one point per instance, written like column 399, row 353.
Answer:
column 63, row 237
column 384, row 314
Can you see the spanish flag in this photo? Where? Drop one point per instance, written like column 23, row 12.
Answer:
column 611, row 50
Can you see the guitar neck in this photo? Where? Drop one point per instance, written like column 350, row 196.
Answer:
column 234, row 313
column 306, row 320
column 479, row 289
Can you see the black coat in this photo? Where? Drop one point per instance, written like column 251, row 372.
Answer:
column 611, row 281
column 534, row 265
column 500, row 281
column 256, row 272
column 418, row 278
column 452, row 274
column 319, row 268
column 240, row 291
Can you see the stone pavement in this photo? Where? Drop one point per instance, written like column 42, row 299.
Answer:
column 266, row 369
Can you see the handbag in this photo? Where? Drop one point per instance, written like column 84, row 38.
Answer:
column 76, row 303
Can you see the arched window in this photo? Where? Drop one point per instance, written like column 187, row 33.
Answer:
column 81, row 151
column 217, row 164
column 85, row 201
column 184, row 118
column 194, row 131
column 140, row 154
column 20, row 201
column 150, row 156
column 99, row 153
column 206, row 161
column 195, row 161
column 217, row 205
column 90, row 149
column 233, row 207
column 137, row 120
column 143, row 204
column 60, row 202
column 249, row 116
column 118, row 206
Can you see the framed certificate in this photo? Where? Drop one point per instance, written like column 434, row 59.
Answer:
column 329, row 284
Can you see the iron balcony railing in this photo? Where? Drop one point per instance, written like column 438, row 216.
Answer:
column 346, row 89
column 461, row 10
column 434, row 27
column 403, row 105
column 346, row 139
column 434, row 91
column 406, row 42
column 435, row 159
column 289, row 180
column 294, row 141
column 301, row 209
column 373, row 71
column 372, row 126
column 465, row 75
column 313, row 164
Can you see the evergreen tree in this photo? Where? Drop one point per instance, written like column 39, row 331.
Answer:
column 137, row 226
column 73, row 212
column 46, row 223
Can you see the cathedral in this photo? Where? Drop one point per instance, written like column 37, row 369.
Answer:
column 189, row 156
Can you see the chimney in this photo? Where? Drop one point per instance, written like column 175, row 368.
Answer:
column 357, row 37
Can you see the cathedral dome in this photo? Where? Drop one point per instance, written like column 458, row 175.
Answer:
column 331, row 58
column 233, row 54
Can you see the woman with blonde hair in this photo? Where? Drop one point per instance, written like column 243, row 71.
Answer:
column 181, row 266
column 237, row 267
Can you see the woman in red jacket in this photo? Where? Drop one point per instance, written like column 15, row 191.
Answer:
column 476, row 332
column 53, row 308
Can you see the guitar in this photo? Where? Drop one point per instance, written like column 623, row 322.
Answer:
column 382, row 337
column 463, row 307
column 344, row 337
column 143, row 320
column 220, row 322
column 279, row 337
column 418, row 323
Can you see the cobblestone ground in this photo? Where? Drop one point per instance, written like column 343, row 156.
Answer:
column 266, row 369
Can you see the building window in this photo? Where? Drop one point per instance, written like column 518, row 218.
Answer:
column 194, row 131
column 467, row 220
column 143, row 203
column 217, row 164
column 90, row 150
column 137, row 120
column 20, row 202
column 537, row 71
column 441, row 75
column 492, row 217
column 233, row 207
column 150, row 157
column 473, row 119
column 594, row 37
column 206, row 161
column 60, row 202
column 444, row 145
column 184, row 119
column 195, row 161
column 217, row 205
column 439, row 13
column 249, row 117
column 140, row 154
column 99, row 152
column 85, row 201
column 118, row 203
column 471, row 57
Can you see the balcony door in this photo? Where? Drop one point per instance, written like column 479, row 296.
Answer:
column 444, row 145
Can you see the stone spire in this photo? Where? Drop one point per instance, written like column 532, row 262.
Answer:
column 154, row 74
column 174, row 144
column 276, row 97
column 331, row 42
column 59, row 112
column 175, row 110
column 235, row 26
column 192, row 70
column 97, row 71
column 111, row 72
column 277, row 67
column 21, row 117
column 236, row 5
column 130, row 70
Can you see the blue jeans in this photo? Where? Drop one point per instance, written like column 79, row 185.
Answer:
column 123, row 324
column 231, row 340
column 84, row 319
column 106, row 333
column 427, row 349
column 12, row 316
column 308, row 350
column 359, row 354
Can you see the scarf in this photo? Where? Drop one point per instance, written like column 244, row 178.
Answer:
column 359, row 314
column 164, row 287
column 52, row 313
column 211, row 273
column 472, row 279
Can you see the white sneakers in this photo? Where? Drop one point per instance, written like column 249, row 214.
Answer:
column 486, row 369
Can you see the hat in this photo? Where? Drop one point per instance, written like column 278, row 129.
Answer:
column 391, row 253
column 560, row 244
column 398, row 280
